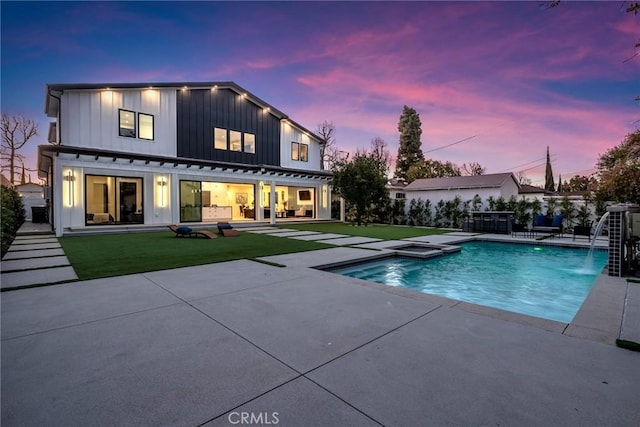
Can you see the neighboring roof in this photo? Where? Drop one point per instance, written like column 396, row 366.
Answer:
column 54, row 90
column 495, row 180
column 531, row 189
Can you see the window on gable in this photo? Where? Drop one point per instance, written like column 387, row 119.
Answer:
column 220, row 139
column 249, row 143
column 127, row 123
column 295, row 151
column 401, row 196
column 235, row 138
column 145, row 126
column 304, row 153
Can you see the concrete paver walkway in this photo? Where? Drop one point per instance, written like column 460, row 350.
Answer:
column 34, row 258
column 201, row 345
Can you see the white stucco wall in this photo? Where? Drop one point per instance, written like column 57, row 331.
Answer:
column 289, row 134
column 90, row 119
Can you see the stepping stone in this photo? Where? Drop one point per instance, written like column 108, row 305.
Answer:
column 34, row 263
column 37, row 277
column 274, row 230
column 32, row 254
column 295, row 233
column 34, row 246
column 321, row 236
column 349, row 241
column 23, row 241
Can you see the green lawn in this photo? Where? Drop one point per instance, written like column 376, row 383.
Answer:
column 378, row 231
column 106, row 255
column 117, row 254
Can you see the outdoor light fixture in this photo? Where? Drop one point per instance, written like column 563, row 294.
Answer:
column 69, row 178
column 162, row 182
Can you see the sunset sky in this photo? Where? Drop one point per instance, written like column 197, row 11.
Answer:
column 513, row 77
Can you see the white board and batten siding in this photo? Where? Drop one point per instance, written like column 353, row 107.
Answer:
column 289, row 134
column 90, row 119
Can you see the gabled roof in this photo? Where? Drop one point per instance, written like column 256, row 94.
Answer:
column 55, row 90
column 495, row 180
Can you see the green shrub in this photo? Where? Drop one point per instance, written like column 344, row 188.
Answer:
column 11, row 217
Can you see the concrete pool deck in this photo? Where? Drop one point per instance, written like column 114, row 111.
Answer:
column 295, row 346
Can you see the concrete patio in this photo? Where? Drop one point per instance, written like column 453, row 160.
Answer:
column 294, row 346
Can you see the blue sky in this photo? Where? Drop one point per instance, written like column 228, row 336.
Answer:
column 512, row 74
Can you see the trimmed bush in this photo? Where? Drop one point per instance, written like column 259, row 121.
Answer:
column 11, row 217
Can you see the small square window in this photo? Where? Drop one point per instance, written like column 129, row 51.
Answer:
column 235, row 138
column 145, row 126
column 295, row 151
column 249, row 143
column 127, row 123
column 304, row 152
column 220, row 139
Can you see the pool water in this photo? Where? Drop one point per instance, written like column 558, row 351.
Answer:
column 542, row 281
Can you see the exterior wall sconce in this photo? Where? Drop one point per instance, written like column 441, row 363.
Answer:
column 162, row 183
column 69, row 178
column 324, row 196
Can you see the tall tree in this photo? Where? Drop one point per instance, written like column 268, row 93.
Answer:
column 16, row 132
column 380, row 152
column 473, row 169
column 619, row 170
column 409, row 150
column 560, row 187
column 431, row 169
column 327, row 131
column 577, row 183
column 548, row 175
column 362, row 184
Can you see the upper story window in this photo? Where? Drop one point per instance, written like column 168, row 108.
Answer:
column 129, row 127
column 295, row 151
column 236, row 140
column 127, row 123
column 145, row 126
column 249, row 143
column 401, row 196
column 220, row 139
column 304, row 153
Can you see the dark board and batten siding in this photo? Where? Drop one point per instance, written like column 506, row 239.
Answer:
column 199, row 111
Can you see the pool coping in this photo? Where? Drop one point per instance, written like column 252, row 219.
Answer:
column 599, row 318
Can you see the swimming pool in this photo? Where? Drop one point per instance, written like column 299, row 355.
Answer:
column 542, row 281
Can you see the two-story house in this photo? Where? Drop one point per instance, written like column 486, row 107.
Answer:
column 162, row 153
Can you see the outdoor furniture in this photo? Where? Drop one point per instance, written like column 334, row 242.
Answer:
column 582, row 230
column 188, row 232
column 545, row 224
column 519, row 228
column 491, row 221
column 227, row 230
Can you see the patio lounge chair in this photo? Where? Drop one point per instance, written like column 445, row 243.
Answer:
column 227, row 230
column 187, row 232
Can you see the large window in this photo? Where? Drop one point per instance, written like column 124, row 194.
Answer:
column 127, row 123
column 249, row 143
column 145, row 126
column 299, row 151
column 220, row 139
column 129, row 127
column 113, row 200
column 235, row 138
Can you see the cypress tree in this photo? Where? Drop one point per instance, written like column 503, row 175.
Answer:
column 409, row 150
column 548, row 175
